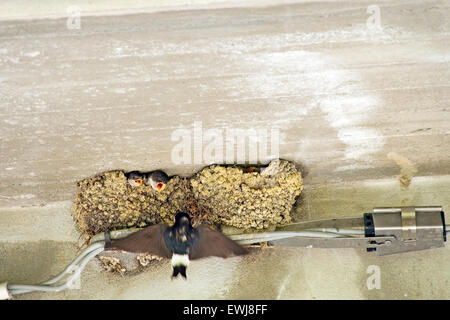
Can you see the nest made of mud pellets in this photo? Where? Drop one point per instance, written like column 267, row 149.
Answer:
column 233, row 196
column 248, row 199
column 108, row 202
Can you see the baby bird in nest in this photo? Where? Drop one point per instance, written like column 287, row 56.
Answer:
column 155, row 179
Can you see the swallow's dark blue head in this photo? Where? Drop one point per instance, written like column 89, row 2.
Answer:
column 182, row 218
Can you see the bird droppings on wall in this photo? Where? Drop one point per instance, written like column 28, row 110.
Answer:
column 224, row 196
column 125, row 263
column 407, row 169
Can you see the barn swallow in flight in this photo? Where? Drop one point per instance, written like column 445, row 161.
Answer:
column 181, row 243
column 156, row 179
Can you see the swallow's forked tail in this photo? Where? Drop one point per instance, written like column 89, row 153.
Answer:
column 179, row 264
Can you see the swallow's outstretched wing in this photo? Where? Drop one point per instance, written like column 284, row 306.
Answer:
column 214, row 243
column 149, row 240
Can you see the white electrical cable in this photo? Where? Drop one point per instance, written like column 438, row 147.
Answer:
column 69, row 268
column 82, row 260
column 338, row 231
column 271, row 236
column 15, row 289
column 257, row 237
column 4, row 292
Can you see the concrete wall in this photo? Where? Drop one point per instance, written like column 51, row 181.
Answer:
column 363, row 110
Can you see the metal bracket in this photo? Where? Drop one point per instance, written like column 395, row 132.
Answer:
column 414, row 228
column 386, row 230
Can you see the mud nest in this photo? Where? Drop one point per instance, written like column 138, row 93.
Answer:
column 248, row 198
column 108, row 202
column 227, row 196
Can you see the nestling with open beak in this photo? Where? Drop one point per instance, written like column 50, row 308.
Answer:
column 135, row 178
column 181, row 243
column 156, row 179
